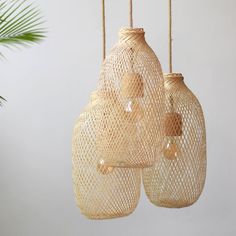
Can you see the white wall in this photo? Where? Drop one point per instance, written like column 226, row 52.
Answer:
column 48, row 85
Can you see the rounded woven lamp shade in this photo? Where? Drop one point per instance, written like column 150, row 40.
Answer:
column 101, row 192
column 177, row 179
column 131, row 115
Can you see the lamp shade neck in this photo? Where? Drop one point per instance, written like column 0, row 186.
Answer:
column 131, row 35
column 171, row 80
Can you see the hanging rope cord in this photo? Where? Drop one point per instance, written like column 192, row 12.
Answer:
column 131, row 22
column 170, row 38
column 103, row 30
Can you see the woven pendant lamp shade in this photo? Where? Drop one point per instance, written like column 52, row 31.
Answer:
column 130, row 119
column 101, row 192
column 177, row 178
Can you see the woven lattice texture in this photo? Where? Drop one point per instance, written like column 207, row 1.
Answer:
column 178, row 177
column 101, row 192
column 132, row 85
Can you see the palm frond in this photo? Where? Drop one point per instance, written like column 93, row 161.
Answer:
column 20, row 23
column 2, row 100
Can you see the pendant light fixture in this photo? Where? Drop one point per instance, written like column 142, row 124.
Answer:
column 177, row 179
column 127, row 129
column 102, row 192
column 137, row 119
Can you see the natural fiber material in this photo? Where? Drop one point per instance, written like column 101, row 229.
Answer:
column 177, row 178
column 170, row 37
column 102, row 192
column 131, row 21
column 103, row 30
column 127, row 136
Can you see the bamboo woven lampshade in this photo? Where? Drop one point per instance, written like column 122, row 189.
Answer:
column 177, row 179
column 101, row 192
column 127, row 136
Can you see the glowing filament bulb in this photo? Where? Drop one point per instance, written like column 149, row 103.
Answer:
column 171, row 150
column 135, row 110
column 104, row 169
column 132, row 88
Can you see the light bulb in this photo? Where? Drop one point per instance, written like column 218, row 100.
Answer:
column 171, row 150
column 104, row 169
column 134, row 109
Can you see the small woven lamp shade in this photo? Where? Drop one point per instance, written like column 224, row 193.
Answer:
column 177, row 179
column 101, row 192
column 127, row 136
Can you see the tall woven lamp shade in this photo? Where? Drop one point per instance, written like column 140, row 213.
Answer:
column 131, row 116
column 177, row 178
column 101, row 192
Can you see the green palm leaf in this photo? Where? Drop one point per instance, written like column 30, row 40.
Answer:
column 1, row 100
column 20, row 24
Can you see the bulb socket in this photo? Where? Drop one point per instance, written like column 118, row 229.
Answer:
column 132, row 85
column 173, row 124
